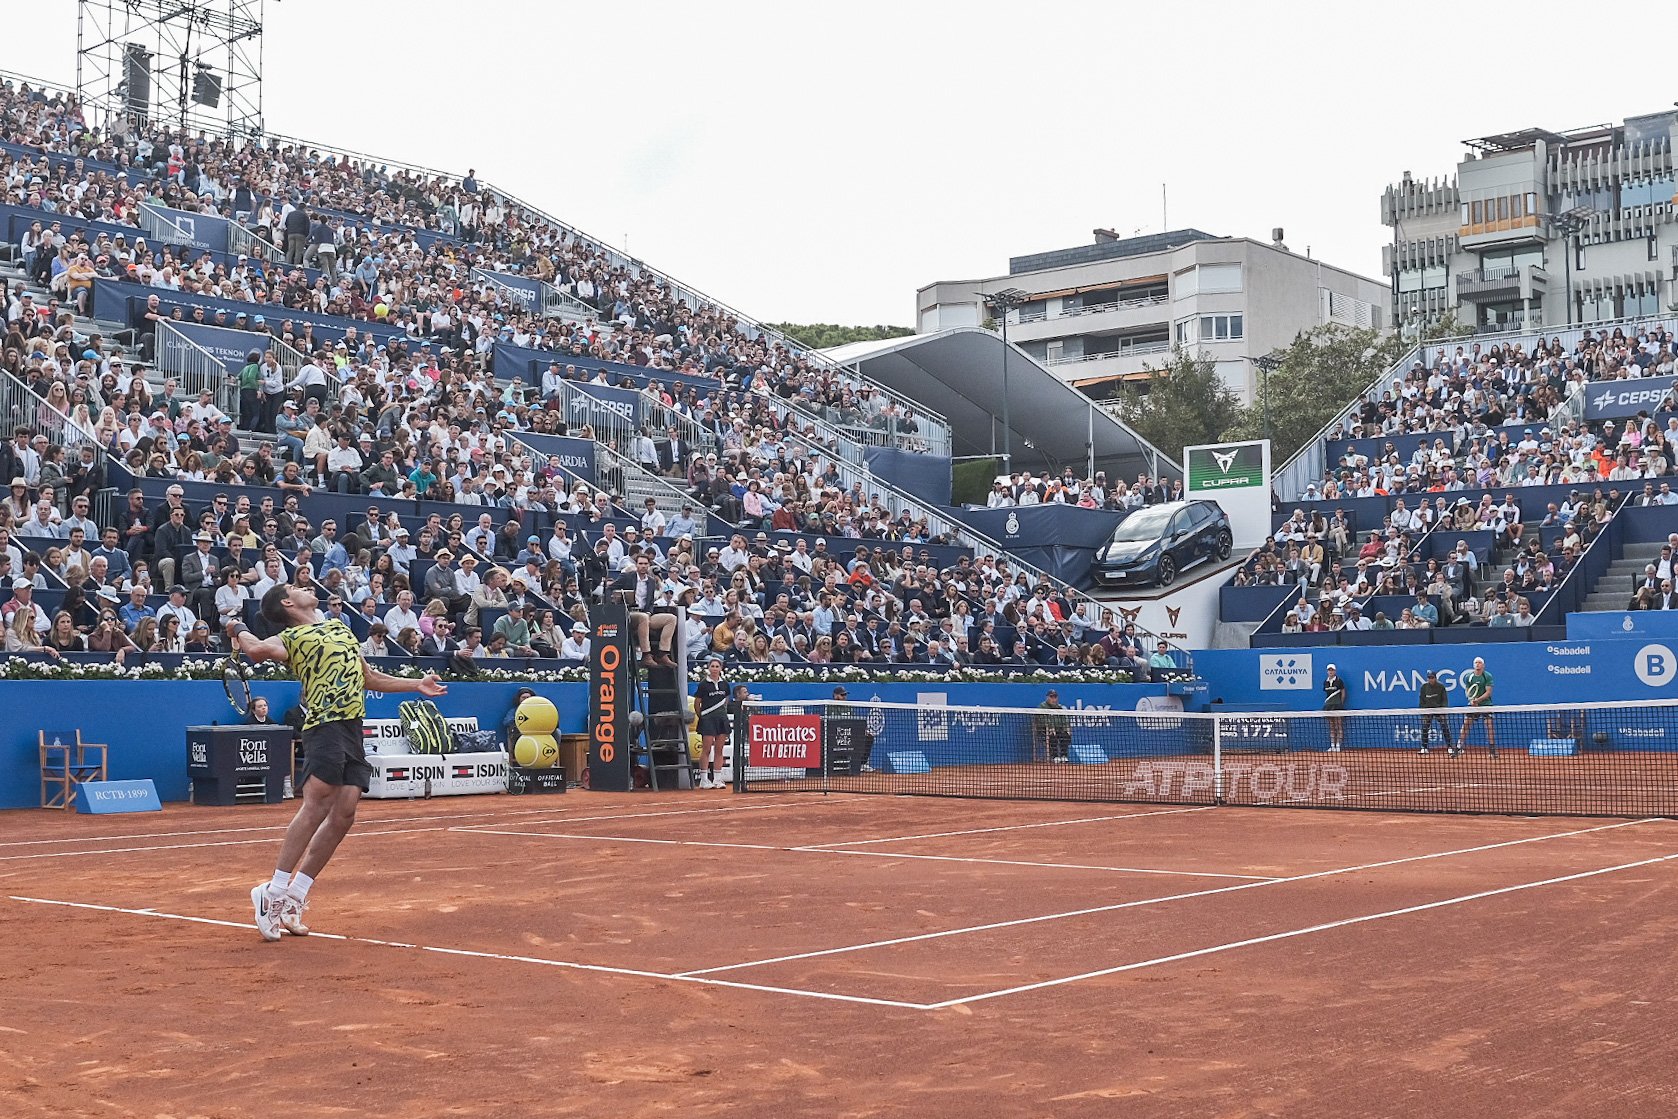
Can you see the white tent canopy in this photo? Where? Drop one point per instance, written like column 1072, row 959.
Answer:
column 959, row 373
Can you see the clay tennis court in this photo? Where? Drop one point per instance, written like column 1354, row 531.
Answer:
column 709, row 954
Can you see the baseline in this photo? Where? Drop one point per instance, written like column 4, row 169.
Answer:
column 572, row 965
column 370, row 830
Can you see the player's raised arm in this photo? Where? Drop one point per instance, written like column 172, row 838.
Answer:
column 427, row 685
column 242, row 639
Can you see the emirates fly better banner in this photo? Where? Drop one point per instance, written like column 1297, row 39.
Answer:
column 790, row 741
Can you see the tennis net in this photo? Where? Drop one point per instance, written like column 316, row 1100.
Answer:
column 1594, row 759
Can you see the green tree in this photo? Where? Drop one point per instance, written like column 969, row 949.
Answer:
column 1182, row 403
column 1319, row 374
column 825, row 335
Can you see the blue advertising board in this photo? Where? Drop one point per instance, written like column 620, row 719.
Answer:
column 599, row 404
column 925, row 476
column 200, row 231
column 228, row 346
column 1623, row 624
column 1390, row 676
column 526, row 291
column 1057, row 539
column 576, row 456
column 115, row 301
column 155, row 748
column 1616, row 400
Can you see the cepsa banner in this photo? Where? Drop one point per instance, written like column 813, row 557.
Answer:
column 790, row 741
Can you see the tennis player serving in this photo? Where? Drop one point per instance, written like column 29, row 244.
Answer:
column 326, row 659
column 1478, row 685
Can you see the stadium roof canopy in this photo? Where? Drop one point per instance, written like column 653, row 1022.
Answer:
column 959, row 373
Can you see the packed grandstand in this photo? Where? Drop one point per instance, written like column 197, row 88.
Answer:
column 462, row 420
column 368, row 444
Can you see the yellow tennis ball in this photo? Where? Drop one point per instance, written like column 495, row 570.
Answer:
column 536, row 715
column 535, row 751
column 549, row 753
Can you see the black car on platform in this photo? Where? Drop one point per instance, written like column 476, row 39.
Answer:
column 1157, row 542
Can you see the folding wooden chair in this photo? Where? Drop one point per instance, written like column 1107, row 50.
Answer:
column 66, row 762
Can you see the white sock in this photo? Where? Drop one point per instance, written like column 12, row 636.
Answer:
column 300, row 886
column 280, row 881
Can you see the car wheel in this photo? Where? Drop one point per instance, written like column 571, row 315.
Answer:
column 1225, row 543
column 1167, row 570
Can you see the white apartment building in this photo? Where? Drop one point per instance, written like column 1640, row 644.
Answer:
column 1539, row 229
column 1102, row 313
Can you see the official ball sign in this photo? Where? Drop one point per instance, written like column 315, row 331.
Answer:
column 785, row 740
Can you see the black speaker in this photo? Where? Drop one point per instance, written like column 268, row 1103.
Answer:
column 136, row 78
column 206, row 89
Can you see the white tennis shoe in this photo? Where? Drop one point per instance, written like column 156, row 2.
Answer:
column 291, row 916
column 267, row 911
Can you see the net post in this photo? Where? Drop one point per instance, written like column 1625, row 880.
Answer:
column 1217, row 759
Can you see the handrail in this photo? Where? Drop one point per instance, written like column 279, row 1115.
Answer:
column 242, row 239
column 197, row 369
column 552, row 301
column 1579, row 565
column 1092, row 309
column 22, row 406
column 625, row 469
column 1128, row 351
column 160, row 227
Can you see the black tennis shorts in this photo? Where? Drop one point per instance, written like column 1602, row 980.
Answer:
column 335, row 753
column 710, row 725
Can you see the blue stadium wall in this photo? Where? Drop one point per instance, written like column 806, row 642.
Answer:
column 143, row 721
column 1523, row 672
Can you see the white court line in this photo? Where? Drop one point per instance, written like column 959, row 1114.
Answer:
column 1324, row 927
column 282, row 827
column 1159, row 900
column 869, row 854
column 567, row 964
column 490, row 829
column 1054, row 866
column 1005, row 827
column 628, row 839
column 366, row 831
column 267, row 839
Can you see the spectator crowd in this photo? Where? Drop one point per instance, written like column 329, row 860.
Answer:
column 753, row 430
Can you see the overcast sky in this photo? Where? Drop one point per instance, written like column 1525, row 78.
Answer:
column 819, row 162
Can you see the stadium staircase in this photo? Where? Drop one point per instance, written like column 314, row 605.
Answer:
column 1613, row 590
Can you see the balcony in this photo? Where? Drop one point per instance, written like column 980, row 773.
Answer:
column 1128, row 314
column 1498, row 284
column 1139, row 349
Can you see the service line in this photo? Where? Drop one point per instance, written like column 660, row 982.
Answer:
column 993, row 925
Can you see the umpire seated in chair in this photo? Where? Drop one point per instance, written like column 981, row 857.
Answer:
column 639, row 589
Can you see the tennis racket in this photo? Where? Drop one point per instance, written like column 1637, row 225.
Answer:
column 235, row 683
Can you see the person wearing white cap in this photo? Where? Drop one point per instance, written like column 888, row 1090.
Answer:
column 575, row 647
column 401, row 552
column 23, row 597
column 1334, row 699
